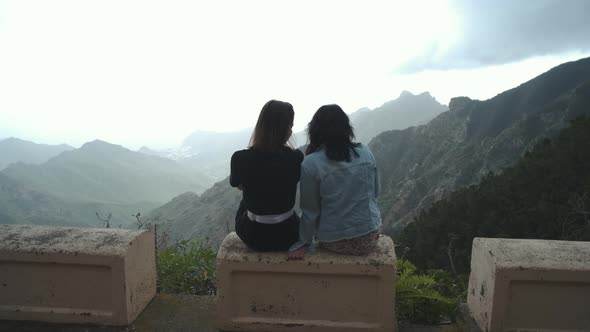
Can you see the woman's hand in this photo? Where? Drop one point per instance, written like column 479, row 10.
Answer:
column 296, row 255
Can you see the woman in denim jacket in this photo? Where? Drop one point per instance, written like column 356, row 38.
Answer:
column 339, row 188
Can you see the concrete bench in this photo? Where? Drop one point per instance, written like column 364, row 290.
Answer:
column 530, row 285
column 75, row 275
column 324, row 292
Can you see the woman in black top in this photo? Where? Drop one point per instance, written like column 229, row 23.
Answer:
column 267, row 173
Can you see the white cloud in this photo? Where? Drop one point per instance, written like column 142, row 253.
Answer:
column 151, row 72
column 505, row 31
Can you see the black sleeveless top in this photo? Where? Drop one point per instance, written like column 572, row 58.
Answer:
column 268, row 179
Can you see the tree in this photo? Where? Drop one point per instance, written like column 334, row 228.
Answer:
column 106, row 220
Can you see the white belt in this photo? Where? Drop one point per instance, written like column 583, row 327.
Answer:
column 270, row 218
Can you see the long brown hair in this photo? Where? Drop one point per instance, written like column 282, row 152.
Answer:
column 273, row 127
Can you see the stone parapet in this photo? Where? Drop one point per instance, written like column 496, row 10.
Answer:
column 75, row 275
column 324, row 292
column 530, row 285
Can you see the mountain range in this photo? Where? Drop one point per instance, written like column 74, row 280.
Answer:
column 545, row 195
column 13, row 150
column 420, row 165
column 99, row 177
column 406, row 111
column 22, row 205
column 190, row 216
column 102, row 172
column 210, row 152
column 62, row 185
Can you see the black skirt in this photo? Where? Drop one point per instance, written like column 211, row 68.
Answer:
column 266, row 237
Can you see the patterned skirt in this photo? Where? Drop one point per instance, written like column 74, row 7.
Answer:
column 357, row 246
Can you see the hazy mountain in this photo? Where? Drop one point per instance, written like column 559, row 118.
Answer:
column 20, row 205
column 178, row 154
column 419, row 165
column 14, row 150
column 201, row 142
column 208, row 216
column 206, row 151
column 101, row 172
column 150, row 152
column 405, row 111
column 211, row 152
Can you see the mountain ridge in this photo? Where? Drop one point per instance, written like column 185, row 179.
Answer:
column 13, row 150
column 103, row 172
column 420, row 165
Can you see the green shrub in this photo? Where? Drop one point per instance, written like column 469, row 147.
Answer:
column 425, row 298
column 187, row 268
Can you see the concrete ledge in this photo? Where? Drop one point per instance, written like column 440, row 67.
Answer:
column 532, row 285
column 325, row 292
column 75, row 275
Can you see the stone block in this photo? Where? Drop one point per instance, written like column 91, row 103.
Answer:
column 75, row 275
column 530, row 285
column 324, row 292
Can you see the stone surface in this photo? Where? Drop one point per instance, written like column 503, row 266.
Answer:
column 535, row 285
column 324, row 292
column 179, row 313
column 465, row 321
column 165, row 313
column 75, row 275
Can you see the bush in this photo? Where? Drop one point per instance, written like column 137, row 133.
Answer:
column 187, row 268
column 426, row 298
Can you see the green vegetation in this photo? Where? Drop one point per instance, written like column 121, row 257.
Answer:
column 187, row 268
column 546, row 195
column 429, row 298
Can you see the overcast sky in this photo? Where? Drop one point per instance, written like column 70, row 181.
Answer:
column 151, row 72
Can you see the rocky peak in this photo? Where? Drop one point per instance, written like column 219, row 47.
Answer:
column 459, row 103
column 101, row 145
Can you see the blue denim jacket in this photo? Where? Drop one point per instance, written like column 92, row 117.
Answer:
column 338, row 198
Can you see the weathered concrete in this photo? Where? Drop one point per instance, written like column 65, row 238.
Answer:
column 165, row 313
column 178, row 313
column 75, row 275
column 324, row 292
column 532, row 285
column 464, row 320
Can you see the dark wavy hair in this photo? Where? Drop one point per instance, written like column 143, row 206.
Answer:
column 330, row 127
column 273, row 127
